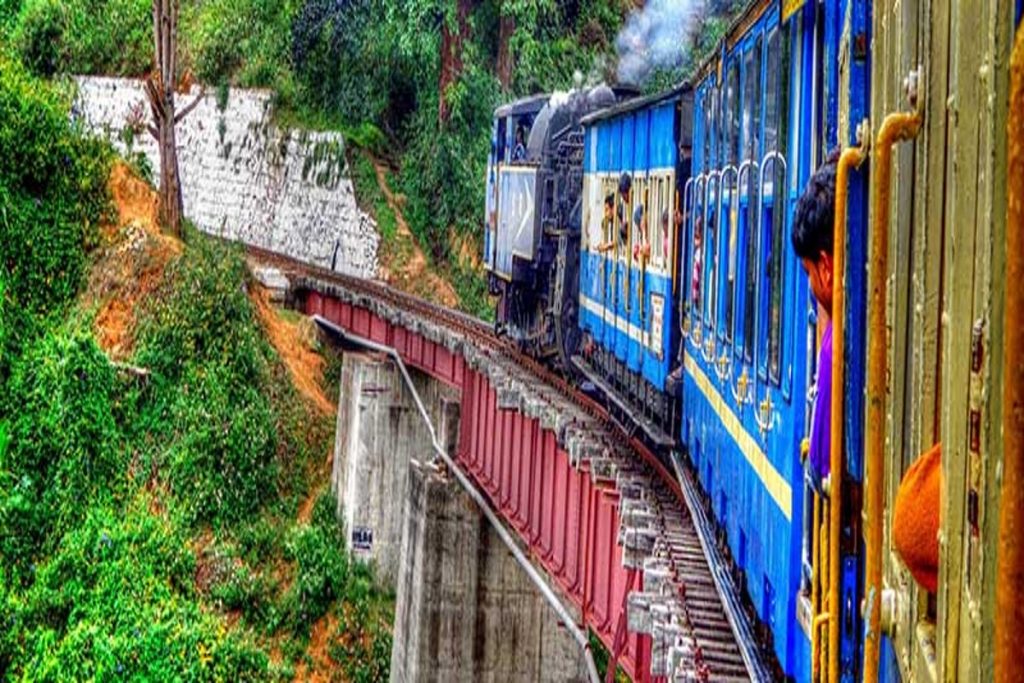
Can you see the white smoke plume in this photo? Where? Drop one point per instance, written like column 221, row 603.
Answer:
column 656, row 36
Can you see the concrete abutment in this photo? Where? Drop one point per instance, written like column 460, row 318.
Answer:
column 466, row 611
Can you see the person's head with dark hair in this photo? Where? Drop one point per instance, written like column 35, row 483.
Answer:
column 813, row 226
column 625, row 185
column 609, row 200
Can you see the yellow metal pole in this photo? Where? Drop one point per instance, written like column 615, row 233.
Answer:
column 1010, row 565
column 896, row 127
column 851, row 158
column 816, row 607
column 676, row 245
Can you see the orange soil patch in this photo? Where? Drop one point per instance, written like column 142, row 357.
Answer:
column 130, row 263
column 408, row 270
column 306, row 509
column 468, row 252
column 305, row 366
column 319, row 646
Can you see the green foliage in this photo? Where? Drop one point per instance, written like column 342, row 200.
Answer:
column 8, row 13
column 241, row 41
column 63, row 448
column 364, row 177
column 472, row 291
column 442, row 168
column 85, row 36
column 322, row 567
column 211, row 363
column 115, row 600
column 105, row 480
column 52, row 195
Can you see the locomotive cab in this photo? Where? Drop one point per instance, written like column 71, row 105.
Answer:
column 534, row 183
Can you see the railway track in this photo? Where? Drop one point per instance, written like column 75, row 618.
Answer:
column 723, row 633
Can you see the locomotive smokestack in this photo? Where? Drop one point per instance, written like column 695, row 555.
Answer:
column 656, row 36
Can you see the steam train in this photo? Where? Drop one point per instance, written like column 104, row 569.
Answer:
column 641, row 245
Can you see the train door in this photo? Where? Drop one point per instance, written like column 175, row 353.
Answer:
column 946, row 210
column 913, row 317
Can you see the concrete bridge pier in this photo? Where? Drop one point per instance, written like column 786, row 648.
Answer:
column 466, row 611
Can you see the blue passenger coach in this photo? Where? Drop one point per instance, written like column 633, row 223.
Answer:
column 743, row 313
column 629, row 254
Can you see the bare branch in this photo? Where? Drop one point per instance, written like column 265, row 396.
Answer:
column 192, row 105
column 154, row 132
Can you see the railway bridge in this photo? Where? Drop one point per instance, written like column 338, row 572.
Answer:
column 613, row 536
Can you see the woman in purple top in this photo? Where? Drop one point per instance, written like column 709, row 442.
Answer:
column 813, row 225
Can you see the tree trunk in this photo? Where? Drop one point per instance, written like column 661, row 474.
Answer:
column 506, row 60
column 452, row 42
column 160, row 85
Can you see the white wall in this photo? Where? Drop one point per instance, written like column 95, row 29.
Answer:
column 243, row 178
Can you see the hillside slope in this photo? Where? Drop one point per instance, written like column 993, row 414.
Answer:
column 164, row 441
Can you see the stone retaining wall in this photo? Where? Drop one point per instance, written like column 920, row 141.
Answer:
column 243, row 177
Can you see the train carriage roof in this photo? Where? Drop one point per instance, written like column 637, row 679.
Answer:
column 636, row 103
column 526, row 105
column 752, row 11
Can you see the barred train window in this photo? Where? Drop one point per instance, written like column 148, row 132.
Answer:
column 698, row 249
column 653, row 224
column 663, row 221
column 708, row 99
column 752, row 151
column 776, row 85
column 733, row 124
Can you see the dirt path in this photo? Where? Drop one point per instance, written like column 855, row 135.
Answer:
column 129, row 265
column 405, row 265
column 305, row 365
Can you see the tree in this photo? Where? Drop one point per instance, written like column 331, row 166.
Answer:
column 160, row 86
column 506, row 60
column 453, row 39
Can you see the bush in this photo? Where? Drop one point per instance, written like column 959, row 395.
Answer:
column 53, row 193
column 212, row 365
column 63, row 447
column 204, row 317
column 442, row 170
column 115, row 601
column 85, row 36
column 241, row 41
column 322, row 575
column 39, row 36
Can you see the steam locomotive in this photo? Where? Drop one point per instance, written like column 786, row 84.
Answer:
column 641, row 245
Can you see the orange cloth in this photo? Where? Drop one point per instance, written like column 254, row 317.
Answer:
column 915, row 520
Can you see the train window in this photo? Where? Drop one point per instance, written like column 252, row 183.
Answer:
column 732, row 113
column 772, row 91
column 710, row 279
column 732, row 123
column 777, row 55
column 697, row 275
column 708, row 99
column 752, row 102
column 653, row 224
column 660, row 221
column 795, row 41
column 752, row 151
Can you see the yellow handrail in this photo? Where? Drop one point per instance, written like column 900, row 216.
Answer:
column 895, row 128
column 852, row 157
column 817, row 607
column 1010, row 565
column 675, row 245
